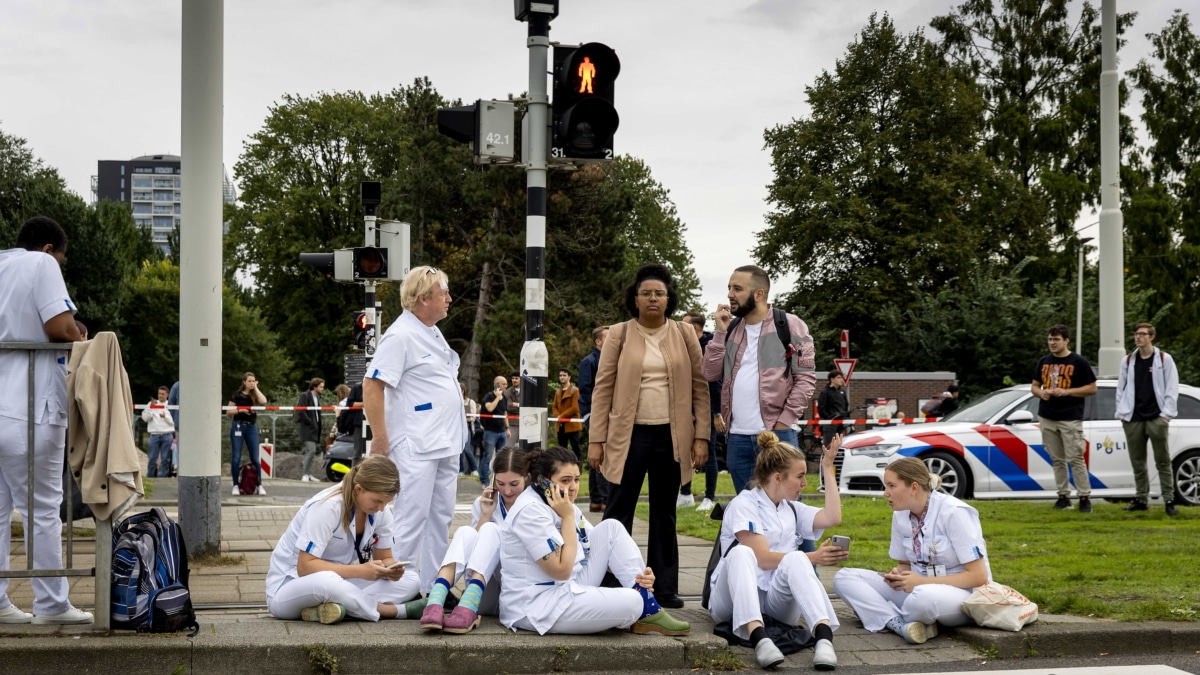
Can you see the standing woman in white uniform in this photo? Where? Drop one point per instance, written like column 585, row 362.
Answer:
column 334, row 559
column 554, row 561
column 763, row 571
column 937, row 543
column 475, row 550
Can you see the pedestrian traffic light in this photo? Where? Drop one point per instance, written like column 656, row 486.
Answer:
column 584, row 118
column 362, row 330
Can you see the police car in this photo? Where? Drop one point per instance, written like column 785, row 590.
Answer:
column 992, row 449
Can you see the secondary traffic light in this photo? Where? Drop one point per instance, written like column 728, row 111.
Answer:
column 362, row 330
column 585, row 118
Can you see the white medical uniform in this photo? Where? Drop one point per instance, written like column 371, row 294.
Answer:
column 479, row 551
column 950, row 537
column 32, row 292
column 742, row 591
column 317, row 530
column 426, row 433
column 532, row 600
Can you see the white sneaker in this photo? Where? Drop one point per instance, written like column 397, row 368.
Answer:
column 916, row 633
column 71, row 616
column 706, row 505
column 768, row 654
column 307, row 478
column 13, row 614
column 824, row 658
column 261, row 491
column 684, row 501
column 236, row 490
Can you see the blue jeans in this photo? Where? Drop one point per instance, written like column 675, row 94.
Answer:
column 160, row 455
column 466, row 460
column 243, row 432
column 492, row 441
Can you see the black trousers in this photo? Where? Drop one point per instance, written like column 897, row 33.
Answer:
column 573, row 439
column 651, row 453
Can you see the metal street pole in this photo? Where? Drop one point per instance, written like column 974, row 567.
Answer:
column 535, row 360
column 1079, row 298
column 1112, row 253
column 200, row 275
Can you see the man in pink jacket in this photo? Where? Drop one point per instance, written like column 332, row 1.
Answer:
column 767, row 383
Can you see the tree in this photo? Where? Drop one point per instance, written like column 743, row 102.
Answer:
column 882, row 191
column 1040, row 75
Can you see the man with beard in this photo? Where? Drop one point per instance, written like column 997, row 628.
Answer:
column 766, row 359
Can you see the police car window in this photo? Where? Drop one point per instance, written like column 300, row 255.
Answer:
column 982, row 410
column 1104, row 404
column 1189, row 408
column 1029, row 405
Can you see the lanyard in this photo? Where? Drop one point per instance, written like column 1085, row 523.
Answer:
column 358, row 538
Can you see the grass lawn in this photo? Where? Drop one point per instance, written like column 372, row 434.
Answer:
column 1129, row 567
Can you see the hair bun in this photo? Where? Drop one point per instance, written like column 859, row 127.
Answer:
column 935, row 482
column 767, row 439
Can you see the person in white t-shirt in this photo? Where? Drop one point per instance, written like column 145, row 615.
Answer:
column 554, row 561
column 335, row 560
column 35, row 307
column 161, row 426
column 414, row 406
column 763, row 570
column 940, row 554
column 475, row 551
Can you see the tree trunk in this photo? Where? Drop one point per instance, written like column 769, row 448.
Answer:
column 474, row 356
column 421, row 233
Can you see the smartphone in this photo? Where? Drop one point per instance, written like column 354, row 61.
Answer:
column 841, row 542
column 398, row 563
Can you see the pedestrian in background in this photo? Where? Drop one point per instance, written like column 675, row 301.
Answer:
column 566, row 405
column 173, row 404
column 161, row 426
column 495, row 427
column 244, row 430
column 310, row 424
column 512, row 401
column 1147, row 401
column 833, row 404
column 697, row 320
column 598, row 486
column 650, row 417
column 1062, row 380
column 466, row 462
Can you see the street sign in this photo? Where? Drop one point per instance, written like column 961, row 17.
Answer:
column 846, row 367
column 844, row 348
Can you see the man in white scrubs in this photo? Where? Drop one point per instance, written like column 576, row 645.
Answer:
column 35, row 307
column 414, row 406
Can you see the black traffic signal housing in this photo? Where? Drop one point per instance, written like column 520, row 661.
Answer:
column 585, row 118
column 370, row 262
column 362, row 330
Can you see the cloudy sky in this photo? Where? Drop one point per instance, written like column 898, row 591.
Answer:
column 85, row 80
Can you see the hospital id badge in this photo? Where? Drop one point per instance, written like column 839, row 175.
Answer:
column 937, row 570
column 237, row 433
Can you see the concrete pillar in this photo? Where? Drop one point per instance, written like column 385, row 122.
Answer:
column 1112, row 228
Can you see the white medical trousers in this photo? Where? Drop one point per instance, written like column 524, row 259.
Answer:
column 795, row 592
column 49, row 593
column 478, row 551
column 358, row 596
column 876, row 603
column 423, row 511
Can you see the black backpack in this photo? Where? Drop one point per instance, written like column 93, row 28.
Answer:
column 781, row 329
column 150, row 576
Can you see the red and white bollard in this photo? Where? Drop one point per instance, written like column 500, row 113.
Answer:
column 266, row 459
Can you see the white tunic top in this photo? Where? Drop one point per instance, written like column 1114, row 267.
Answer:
column 317, row 530
column 422, row 402
column 32, row 292
column 950, row 537
column 785, row 529
column 532, row 531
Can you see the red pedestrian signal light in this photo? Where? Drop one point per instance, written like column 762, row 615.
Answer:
column 362, row 330
column 584, row 117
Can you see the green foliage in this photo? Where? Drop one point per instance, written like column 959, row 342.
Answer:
column 321, row 660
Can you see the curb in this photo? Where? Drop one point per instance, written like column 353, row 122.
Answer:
column 1092, row 638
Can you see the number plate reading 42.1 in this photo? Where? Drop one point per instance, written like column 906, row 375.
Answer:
column 498, row 139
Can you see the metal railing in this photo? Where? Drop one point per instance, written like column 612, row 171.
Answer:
column 103, row 557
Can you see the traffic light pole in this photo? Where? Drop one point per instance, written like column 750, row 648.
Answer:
column 360, row 445
column 535, row 360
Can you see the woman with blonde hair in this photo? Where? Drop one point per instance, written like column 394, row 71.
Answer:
column 940, row 554
column 650, row 417
column 762, row 570
column 335, row 560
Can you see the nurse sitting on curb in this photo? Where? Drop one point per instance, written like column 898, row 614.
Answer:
column 940, row 555
column 767, row 573
column 476, row 550
column 554, row 560
column 336, row 557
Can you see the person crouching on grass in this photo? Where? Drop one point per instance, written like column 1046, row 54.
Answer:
column 767, row 573
column 554, row 560
column 937, row 543
column 336, row 557
column 475, row 551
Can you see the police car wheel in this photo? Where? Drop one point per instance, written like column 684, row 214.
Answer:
column 1187, row 478
column 952, row 471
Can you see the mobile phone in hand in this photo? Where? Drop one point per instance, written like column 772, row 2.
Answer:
column 841, row 542
column 398, row 563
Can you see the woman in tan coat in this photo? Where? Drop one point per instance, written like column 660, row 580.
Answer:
column 650, row 417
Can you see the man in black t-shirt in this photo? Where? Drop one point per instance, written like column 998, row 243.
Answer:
column 1062, row 380
column 495, row 429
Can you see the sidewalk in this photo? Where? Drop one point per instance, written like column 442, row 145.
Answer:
column 238, row 636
